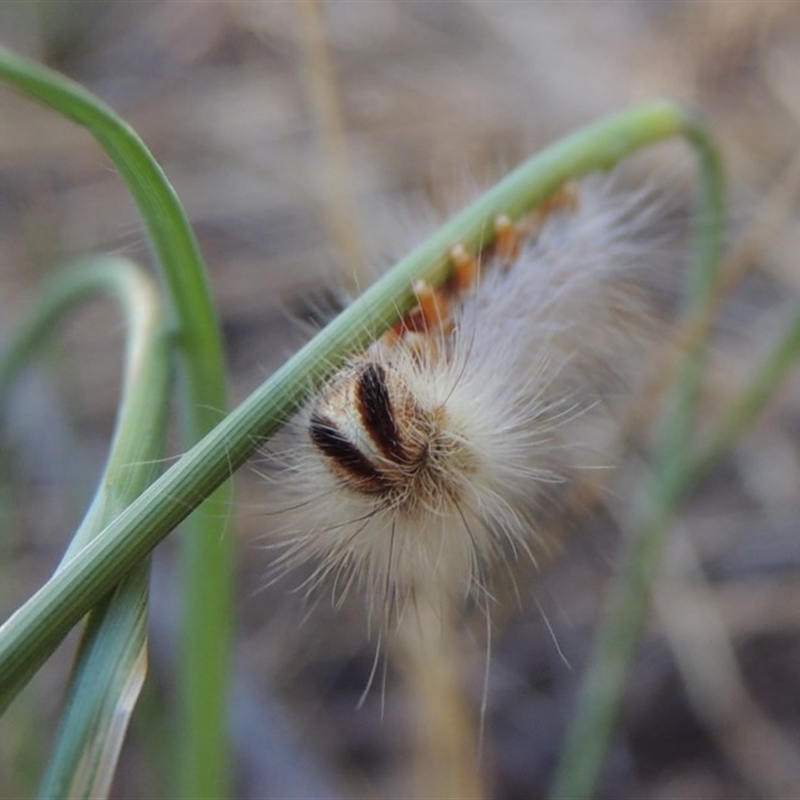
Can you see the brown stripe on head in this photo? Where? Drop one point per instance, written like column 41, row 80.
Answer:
column 345, row 457
column 377, row 414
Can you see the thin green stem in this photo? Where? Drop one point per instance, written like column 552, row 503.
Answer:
column 207, row 552
column 38, row 626
column 603, row 687
column 111, row 664
column 748, row 405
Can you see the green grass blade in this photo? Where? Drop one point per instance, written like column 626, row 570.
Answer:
column 751, row 401
column 111, row 665
column 38, row 626
column 112, row 660
column 107, row 678
column 207, row 552
column 588, row 737
column 607, row 671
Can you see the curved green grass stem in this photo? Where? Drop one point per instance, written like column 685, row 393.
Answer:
column 111, row 664
column 207, row 552
column 39, row 625
column 583, row 756
column 89, row 575
column 603, row 687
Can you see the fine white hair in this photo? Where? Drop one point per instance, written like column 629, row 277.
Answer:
column 538, row 352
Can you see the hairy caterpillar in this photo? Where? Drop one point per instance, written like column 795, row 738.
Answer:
column 422, row 465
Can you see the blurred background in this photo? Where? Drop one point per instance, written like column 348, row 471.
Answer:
column 428, row 96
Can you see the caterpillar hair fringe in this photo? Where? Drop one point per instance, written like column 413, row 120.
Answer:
column 424, row 464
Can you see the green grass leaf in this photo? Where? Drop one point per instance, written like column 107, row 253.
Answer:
column 43, row 621
column 112, row 660
column 207, row 551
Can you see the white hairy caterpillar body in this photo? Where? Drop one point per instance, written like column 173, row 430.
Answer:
column 422, row 465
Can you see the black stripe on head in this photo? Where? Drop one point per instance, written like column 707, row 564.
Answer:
column 347, row 457
column 375, row 409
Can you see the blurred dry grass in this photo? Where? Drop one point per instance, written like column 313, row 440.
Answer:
column 430, row 92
